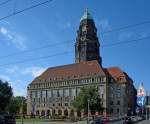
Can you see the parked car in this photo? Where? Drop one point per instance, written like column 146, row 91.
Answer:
column 96, row 120
column 5, row 118
column 127, row 120
column 134, row 118
column 105, row 120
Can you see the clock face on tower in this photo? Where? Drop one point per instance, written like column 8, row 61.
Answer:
column 83, row 38
column 83, row 28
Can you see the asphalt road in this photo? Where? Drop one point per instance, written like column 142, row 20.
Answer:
column 144, row 122
column 80, row 122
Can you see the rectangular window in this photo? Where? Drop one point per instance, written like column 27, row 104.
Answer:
column 118, row 110
column 49, row 93
column 102, row 96
column 39, row 94
column 43, row 94
column 73, row 92
column 118, row 102
column 60, row 93
column 66, row 104
column 118, row 95
column 54, row 93
column 118, row 87
column 100, row 90
column 112, row 103
column 112, row 110
column 111, row 95
column 111, row 88
column 78, row 91
column 33, row 94
column 66, row 92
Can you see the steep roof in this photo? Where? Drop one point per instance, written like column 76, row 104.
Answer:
column 117, row 74
column 72, row 71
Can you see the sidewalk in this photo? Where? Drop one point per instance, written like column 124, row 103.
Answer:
column 80, row 122
column 144, row 122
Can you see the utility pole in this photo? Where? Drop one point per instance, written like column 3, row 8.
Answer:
column 88, row 109
column 22, row 111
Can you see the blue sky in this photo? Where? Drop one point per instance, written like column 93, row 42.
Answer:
column 58, row 21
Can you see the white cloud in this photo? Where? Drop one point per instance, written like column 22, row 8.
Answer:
column 12, row 70
column 18, row 87
column 20, row 92
column 67, row 25
column 13, row 38
column 4, row 31
column 5, row 78
column 34, row 71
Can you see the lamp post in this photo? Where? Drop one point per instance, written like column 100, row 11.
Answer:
column 88, row 109
column 22, row 111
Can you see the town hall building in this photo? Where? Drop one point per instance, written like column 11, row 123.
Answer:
column 52, row 92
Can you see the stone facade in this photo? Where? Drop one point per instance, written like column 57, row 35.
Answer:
column 122, row 93
column 53, row 91
column 52, row 94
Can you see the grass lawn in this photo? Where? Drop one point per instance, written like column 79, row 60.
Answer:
column 32, row 120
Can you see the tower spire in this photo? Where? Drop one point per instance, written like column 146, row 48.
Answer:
column 86, row 15
column 87, row 44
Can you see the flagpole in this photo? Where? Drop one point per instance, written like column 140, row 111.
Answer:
column 146, row 105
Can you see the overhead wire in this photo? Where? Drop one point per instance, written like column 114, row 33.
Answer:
column 68, row 52
column 36, row 58
column 35, row 49
column 55, row 44
column 25, row 9
column 63, row 42
column 125, row 27
column 126, row 42
column 47, row 1
column 5, row 2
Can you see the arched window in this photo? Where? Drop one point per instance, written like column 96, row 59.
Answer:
column 66, row 112
column 72, row 113
column 37, row 112
column 43, row 113
column 59, row 112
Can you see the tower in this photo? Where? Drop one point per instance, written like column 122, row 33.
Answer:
column 87, row 44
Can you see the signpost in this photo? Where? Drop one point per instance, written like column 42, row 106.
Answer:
column 137, row 110
column 141, row 101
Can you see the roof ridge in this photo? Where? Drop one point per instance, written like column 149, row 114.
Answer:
column 59, row 66
column 82, row 69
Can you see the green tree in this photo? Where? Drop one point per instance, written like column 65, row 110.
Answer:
column 5, row 95
column 16, row 104
column 88, row 93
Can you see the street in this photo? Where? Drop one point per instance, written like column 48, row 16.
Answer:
column 79, row 122
column 144, row 122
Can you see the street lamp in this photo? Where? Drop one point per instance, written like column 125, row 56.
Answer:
column 88, row 109
column 22, row 110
